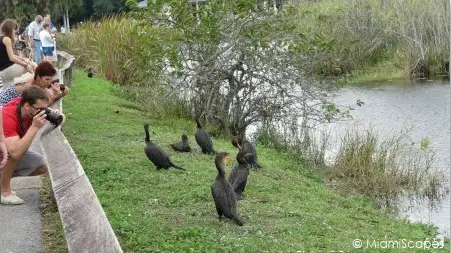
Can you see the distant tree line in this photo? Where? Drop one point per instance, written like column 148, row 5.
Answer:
column 24, row 11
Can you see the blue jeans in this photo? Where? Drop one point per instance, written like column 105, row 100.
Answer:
column 37, row 51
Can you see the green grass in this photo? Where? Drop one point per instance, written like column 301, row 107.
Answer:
column 381, row 72
column 286, row 207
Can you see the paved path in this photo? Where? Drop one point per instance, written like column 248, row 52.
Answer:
column 20, row 225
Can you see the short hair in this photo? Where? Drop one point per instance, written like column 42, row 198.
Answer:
column 32, row 94
column 38, row 18
column 44, row 68
column 45, row 25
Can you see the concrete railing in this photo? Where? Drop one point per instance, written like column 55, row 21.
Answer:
column 85, row 224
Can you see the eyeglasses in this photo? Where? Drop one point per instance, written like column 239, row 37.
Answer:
column 38, row 110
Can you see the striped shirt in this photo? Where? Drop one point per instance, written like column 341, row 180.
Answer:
column 34, row 29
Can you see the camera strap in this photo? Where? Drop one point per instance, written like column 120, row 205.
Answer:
column 19, row 118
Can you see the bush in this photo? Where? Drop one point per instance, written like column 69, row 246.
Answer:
column 412, row 34
column 117, row 49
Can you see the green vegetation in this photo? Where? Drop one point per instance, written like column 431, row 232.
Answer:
column 354, row 41
column 386, row 169
column 366, row 37
column 287, row 207
column 78, row 10
column 116, row 49
column 380, row 72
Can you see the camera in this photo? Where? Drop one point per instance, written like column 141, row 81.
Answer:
column 62, row 86
column 54, row 118
column 20, row 45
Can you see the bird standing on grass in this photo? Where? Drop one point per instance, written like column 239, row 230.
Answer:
column 222, row 191
column 156, row 155
column 239, row 174
column 90, row 74
column 246, row 147
column 203, row 139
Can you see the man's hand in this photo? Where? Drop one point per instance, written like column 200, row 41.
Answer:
column 3, row 154
column 39, row 119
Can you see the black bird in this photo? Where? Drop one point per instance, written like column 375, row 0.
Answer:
column 222, row 191
column 183, row 145
column 246, row 146
column 90, row 74
column 156, row 155
column 239, row 174
column 203, row 139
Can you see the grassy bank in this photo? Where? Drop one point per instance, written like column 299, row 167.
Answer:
column 381, row 72
column 287, row 208
column 363, row 36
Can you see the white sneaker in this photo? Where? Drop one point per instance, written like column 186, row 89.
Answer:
column 12, row 199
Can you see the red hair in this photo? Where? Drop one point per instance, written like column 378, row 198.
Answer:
column 44, row 68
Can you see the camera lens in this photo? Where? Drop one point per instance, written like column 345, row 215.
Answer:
column 62, row 87
column 54, row 118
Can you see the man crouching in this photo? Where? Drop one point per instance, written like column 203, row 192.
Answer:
column 22, row 119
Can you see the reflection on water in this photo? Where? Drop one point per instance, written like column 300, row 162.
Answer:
column 425, row 108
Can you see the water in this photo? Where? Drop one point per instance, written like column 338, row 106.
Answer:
column 425, row 107
column 389, row 109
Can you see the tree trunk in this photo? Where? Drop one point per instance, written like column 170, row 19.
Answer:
column 67, row 22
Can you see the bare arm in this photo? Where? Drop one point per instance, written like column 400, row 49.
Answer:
column 17, row 146
column 55, row 92
column 12, row 57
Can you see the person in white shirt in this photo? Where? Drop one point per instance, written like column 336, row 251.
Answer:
column 47, row 42
column 35, row 41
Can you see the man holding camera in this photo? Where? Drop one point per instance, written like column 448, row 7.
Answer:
column 22, row 119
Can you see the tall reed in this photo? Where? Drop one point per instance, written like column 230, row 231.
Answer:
column 413, row 35
column 118, row 49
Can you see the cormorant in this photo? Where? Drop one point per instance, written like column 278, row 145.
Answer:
column 156, row 155
column 90, row 74
column 222, row 191
column 246, row 146
column 203, row 139
column 239, row 174
column 183, row 145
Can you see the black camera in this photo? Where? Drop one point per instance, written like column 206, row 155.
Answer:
column 20, row 45
column 54, row 118
column 62, row 86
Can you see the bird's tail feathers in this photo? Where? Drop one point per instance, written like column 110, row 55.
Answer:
column 238, row 220
column 178, row 167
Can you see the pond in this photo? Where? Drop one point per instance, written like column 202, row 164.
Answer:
column 425, row 109
column 419, row 110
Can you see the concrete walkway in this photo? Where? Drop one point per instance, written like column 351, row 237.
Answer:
column 20, row 225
